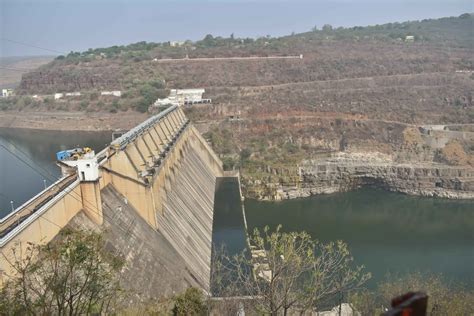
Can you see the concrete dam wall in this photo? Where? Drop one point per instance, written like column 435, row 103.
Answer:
column 154, row 200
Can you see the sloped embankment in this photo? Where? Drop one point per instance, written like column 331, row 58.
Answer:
column 153, row 268
column 177, row 254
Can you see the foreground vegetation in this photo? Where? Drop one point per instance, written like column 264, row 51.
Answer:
column 443, row 298
column 75, row 275
column 71, row 276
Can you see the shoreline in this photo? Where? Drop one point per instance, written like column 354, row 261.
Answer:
column 336, row 192
column 344, row 172
column 71, row 121
column 292, row 193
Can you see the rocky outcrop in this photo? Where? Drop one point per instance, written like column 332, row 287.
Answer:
column 347, row 171
column 70, row 79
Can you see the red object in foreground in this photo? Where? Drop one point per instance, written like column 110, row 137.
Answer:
column 409, row 304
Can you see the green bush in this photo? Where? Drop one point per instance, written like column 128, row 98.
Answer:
column 443, row 297
column 191, row 302
column 83, row 104
column 48, row 100
column 245, row 154
column 229, row 163
column 142, row 106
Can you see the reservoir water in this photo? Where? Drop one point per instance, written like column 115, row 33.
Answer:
column 386, row 232
column 27, row 159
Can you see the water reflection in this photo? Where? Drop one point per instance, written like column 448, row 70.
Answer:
column 387, row 232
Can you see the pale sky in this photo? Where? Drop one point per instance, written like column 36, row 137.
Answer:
column 66, row 25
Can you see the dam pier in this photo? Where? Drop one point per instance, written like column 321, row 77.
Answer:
column 151, row 192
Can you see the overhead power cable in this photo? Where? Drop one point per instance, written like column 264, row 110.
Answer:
column 31, row 45
column 74, row 195
column 16, row 69
column 26, row 163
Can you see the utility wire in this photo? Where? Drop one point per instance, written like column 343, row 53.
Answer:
column 75, row 196
column 31, row 45
column 16, row 69
column 78, row 198
column 127, row 229
column 93, row 208
column 17, row 156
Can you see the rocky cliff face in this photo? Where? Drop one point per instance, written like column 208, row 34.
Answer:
column 347, row 171
column 68, row 79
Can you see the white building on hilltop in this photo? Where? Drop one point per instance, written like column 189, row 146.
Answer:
column 176, row 43
column 188, row 96
column 7, row 92
column 115, row 93
column 183, row 97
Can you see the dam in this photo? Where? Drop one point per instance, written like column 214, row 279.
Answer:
column 151, row 192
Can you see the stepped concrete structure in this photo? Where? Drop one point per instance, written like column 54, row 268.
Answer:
column 153, row 198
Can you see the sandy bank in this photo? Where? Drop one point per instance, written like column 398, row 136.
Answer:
column 71, row 121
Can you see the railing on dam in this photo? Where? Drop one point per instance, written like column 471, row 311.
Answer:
column 22, row 216
column 33, row 205
column 135, row 132
column 30, row 212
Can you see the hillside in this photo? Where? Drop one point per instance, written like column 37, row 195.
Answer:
column 355, row 89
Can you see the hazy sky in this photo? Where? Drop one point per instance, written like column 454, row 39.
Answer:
column 65, row 25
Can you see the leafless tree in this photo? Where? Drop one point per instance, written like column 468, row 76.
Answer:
column 289, row 272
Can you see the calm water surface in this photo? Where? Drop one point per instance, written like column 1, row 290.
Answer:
column 21, row 180
column 387, row 232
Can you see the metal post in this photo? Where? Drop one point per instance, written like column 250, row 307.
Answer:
column 11, row 203
column 44, row 182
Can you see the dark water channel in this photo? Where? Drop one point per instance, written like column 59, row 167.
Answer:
column 387, row 232
column 27, row 158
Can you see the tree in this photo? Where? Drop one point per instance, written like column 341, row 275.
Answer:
column 332, row 274
column 327, row 27
column 208, row 41
column 71, row 276
column 290, row 271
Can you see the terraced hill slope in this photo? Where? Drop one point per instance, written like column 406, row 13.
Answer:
column 360, row 89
